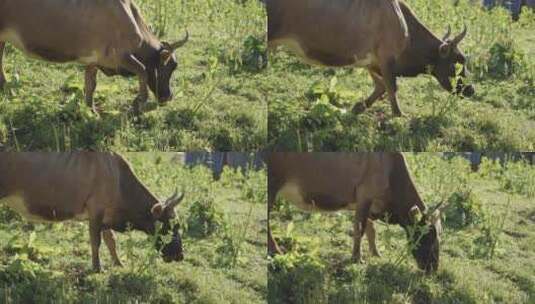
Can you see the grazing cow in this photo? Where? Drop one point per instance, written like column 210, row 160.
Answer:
column 110, row 36
column 383, row 36
column 99, row 187
column 374, row 185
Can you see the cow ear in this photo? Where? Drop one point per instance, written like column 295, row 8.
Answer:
column 415, row 215
column 444, row 49
column 157, row 210
column 165, row 56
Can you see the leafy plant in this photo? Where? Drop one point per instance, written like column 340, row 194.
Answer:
column 296, row 278
column 204, row 218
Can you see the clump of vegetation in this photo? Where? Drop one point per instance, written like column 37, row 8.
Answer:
column 25, row 281
column 204, row 218
column 505, row 60
column 464, row 209
column 296, row 278
column 519, row 178
column 255, row 187
column 491, row 234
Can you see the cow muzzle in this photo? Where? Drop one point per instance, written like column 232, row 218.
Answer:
column 465, row 90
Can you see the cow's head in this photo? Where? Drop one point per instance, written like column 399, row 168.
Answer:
column 162, row 67
column 444, row 68
column 425, row 238
column 164, row 212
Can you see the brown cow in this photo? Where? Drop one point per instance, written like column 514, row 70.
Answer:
column 99, row 187
column 374, row 185
column 107, row 35
column 382, row 36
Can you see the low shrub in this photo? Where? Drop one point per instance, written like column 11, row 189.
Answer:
column 296, row 278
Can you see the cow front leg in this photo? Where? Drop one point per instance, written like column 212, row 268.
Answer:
column 378, row 92
column 359, row 226
column 95, row 227
column 109, row 239
column 2, row 76
column 370, row 235
column 273, row 247
column 135, row 66
column 90, row 85
column 389, row 80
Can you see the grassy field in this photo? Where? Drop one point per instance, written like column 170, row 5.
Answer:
column 488, row 245
column 501, row 116
column 220, row 93
column 223, row 232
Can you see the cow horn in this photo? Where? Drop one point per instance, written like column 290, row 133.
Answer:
column 460, row 37
column 448, row 33
column 174, row 200
column 180, row 43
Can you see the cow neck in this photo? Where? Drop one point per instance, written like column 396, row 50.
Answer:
column 423, row 46
column 136, row 197
column 404, row 192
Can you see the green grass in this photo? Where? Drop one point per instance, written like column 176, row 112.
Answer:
column 51, row 263
column 220, row 92
column 501, row 116
column 488, row 245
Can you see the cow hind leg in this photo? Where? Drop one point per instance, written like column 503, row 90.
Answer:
column 2, row 76
column 135, row 66
column 95, row 227
column 359, row 226
column 90, row 85
column 370, row 235
column 109, row 239
column 378, row 92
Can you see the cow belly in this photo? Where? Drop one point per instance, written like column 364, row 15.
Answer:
column 314, row 201
column 322, row 58
column 295, row 47
column 41, row 214
column 42, row 52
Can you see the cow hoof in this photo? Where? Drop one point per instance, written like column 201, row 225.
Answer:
column 359, row 108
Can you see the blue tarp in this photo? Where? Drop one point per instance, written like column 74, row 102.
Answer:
column 513, row 6
column 217, row 160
